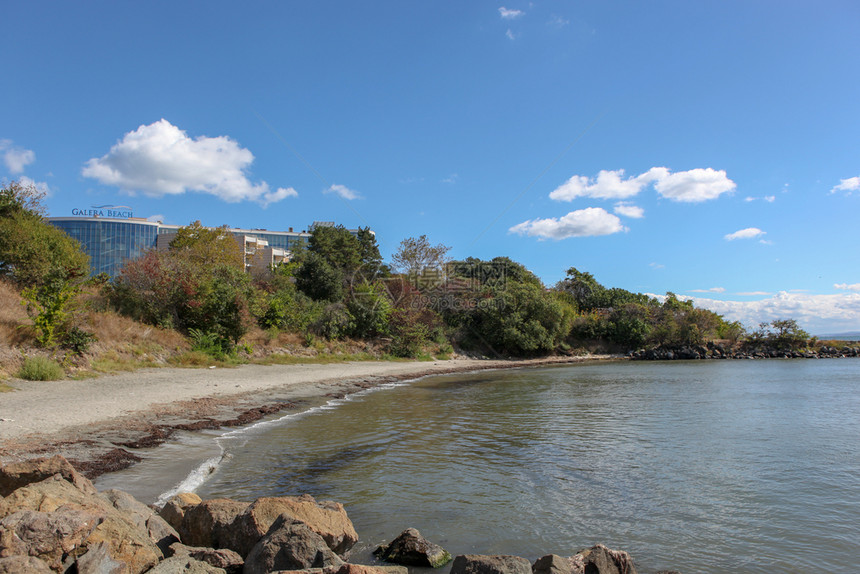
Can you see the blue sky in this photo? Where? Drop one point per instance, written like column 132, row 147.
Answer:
column 706, row 148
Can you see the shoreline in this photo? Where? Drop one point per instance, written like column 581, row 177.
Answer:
column 98, row 424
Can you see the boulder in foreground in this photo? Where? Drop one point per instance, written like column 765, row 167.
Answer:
column 412, row 549
column 602, row 560
column 484, row 564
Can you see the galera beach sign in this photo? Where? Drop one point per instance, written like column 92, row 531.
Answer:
column 116, row 211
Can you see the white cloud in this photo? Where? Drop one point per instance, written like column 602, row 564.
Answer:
column 847, row 287
column 818, row 314
column 40, row 185
column 16, row 158
column 607, row 185
column 627, row 210
column 507, row 14
column 711, row 290
column 753, row 293
column 656, row 266
column 748, row 233
column 588, row 222
column 451, row 178
column 769, row 198
column 510, row 35
column 690, row 186
column 558, row 21
column 694, row 185
column 156, row 218
column 160, row 159
column 849, row 185
column 343, row 191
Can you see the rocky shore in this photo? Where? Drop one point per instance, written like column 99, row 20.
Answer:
column 719, row 351
column 52, row 519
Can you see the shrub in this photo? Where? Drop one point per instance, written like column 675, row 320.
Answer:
column 77, row 340
column 40, row 369
column 334, row 322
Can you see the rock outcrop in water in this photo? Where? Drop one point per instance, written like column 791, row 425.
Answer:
column 412, row 549
column 52, row 519
column 719, row 351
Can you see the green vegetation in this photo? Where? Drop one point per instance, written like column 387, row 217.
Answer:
column 40, row 369
column 336, row 299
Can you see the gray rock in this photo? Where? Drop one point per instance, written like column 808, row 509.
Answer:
column 483, row 564
column 185, row 565
column 290, row 545
column 98, row 560
column 412, row 549
column 552, row 564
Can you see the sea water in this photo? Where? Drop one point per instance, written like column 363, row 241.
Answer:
column 704, row 466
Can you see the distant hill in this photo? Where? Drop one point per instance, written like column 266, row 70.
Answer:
column 849, row 336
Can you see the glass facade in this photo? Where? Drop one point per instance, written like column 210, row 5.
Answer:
column 112, row 242
column 109, row 242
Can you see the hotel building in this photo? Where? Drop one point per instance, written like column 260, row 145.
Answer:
column 112, row 240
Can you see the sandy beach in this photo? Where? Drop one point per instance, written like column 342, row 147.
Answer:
column 98, row 423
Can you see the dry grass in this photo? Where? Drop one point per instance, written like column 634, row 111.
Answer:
column 15, row 329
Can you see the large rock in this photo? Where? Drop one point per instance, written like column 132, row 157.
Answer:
column 16, row 475
column 328, row 519
column 290, row 545
column 98, row 560
column 50, row 537
column 601, row 560
column 209, row 524
column 19, row 564
column 160, row 532
column 224, row 558
column 185, row 565
column 361, row 569
column 174, row 509
column 552, row 564
column 482, row 564
column 126, row 542
column 412, row 549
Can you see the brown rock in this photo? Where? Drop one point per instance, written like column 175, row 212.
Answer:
column 224, row 558
column 185, row 565
column 481, row 564
column 209, row 523
column 290, row 545
column 361, row 569
column 552, row 564
column 328, row 519
column 160, row 532
column 19, row 564
column 127, row 542
column 48, row 537
column 16, row 475
column 601, row 560
column 175, row 508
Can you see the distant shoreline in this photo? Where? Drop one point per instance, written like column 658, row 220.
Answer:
column 99, row 423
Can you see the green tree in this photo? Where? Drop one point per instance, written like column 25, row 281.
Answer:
column 318, row 279
column 32, row 251
column 206, row 247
